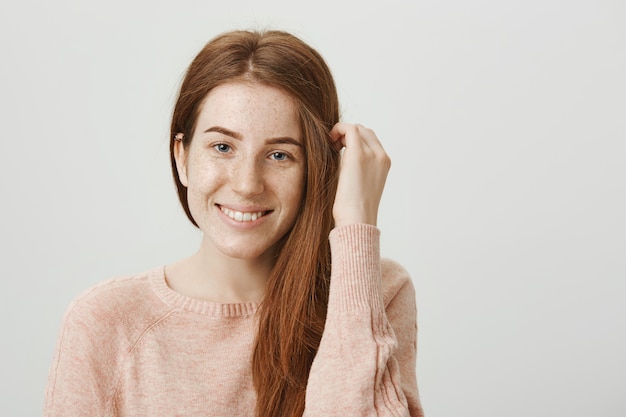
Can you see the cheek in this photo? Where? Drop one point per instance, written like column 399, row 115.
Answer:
column 203, row 174
column 295, row 189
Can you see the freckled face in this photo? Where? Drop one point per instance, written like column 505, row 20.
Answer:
column 244, row 169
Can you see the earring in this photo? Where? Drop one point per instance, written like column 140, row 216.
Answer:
column 179, row 137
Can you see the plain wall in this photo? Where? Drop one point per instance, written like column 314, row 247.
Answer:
column 506, row 123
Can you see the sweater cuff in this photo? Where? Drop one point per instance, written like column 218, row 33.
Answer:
column 355, row 281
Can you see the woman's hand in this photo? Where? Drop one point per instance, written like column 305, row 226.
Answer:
column 362, row 174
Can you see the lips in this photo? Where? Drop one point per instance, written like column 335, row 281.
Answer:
column 243, row 216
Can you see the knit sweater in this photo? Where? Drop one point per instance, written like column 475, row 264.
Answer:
column 134, row 347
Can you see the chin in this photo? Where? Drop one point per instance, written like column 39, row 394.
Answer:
column 247, row 252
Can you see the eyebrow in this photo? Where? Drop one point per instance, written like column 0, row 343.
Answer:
column 224, row 131
column 270, row 141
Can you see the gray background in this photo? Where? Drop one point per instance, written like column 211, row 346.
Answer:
column 506, row 124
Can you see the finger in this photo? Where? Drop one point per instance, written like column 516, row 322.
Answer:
column 371, row 145
column 356, row 132
column 338, row 143
column 339, row 129
column 347, row 134
column 337, row 135
column 369, row 138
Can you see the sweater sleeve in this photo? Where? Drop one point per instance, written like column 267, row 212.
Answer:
column 79, row 382
column 362, row 368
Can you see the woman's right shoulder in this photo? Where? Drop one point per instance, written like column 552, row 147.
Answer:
column 117, row 301
column 100, row 329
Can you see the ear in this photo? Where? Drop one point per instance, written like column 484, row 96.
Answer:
column 180, row 154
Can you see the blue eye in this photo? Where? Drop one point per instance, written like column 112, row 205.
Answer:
column 222, row 147
column 279, row 156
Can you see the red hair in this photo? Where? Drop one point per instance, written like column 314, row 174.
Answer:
column 293, row 311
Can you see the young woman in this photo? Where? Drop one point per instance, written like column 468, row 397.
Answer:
column 286, row 309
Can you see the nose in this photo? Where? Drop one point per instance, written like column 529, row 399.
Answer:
column 247, row 177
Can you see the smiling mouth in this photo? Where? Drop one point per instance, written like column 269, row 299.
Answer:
column 240, row 216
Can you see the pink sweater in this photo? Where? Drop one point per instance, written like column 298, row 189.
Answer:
column 134, row 347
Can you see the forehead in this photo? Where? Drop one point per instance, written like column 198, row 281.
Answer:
column 250, row 109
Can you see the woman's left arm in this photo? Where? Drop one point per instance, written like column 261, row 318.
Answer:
column 360, row 368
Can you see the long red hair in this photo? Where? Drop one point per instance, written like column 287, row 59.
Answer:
column 293, row 311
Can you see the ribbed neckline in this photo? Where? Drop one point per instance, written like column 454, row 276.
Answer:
column 194, row 305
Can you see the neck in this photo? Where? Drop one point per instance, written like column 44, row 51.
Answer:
column 235, row 275
column 213, row 276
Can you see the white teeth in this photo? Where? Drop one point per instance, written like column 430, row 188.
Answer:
column 240, row 216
